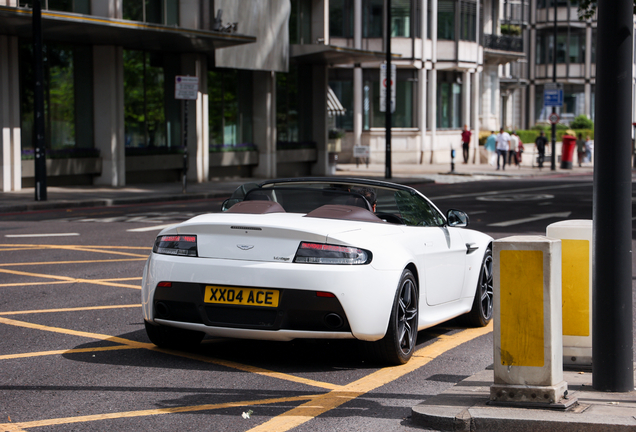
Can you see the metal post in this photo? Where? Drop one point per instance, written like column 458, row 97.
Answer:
column 39, row 142
column 612, row 345
column 185, row 146
column 554, row 72
column 387, row 114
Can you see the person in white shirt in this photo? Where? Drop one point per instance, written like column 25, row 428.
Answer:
column 512, row 151
column 503, row 145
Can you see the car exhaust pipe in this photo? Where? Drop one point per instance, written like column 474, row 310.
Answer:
column 162, row 310
column 333, row 321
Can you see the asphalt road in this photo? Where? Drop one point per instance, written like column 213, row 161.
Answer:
column 74, row 354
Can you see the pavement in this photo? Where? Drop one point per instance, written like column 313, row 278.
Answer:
column 463, row 407
column 101, row 196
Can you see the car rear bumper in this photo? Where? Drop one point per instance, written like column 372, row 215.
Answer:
column 363, row 298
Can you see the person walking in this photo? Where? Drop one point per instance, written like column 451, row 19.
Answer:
column 540, row 143
column 580, row 149
column 512, row 151
column 589, row 148
column 491, row 143
column 503, row 145
column 466, row 134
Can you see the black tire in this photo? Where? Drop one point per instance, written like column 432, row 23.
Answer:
column 398, row 344
column 481, row 312
column 172, row 337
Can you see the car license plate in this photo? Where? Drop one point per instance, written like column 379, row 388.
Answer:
column 241, row 296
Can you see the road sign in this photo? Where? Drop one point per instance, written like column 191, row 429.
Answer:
column 554, row 118
column 383, row 86
column 186, row 87
column 553, row 94
column 361, row 151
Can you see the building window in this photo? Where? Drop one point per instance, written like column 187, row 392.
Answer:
column 68, row 96
column 570, row 46
column 341, row 18
column 542, row 4
column 300, row 22
column 405, row 107
column 287, row 107
column 342, row 86
column 468, row 21
column 77, row 6
column 446, row 19
column 372, row 18
column 449, row 100
column 573, row 103
column 152, row 11
column 400, row 18
column 230, row 107
column 144, row 96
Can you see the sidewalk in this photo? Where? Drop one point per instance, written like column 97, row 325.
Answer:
column 464, row 408
column 101, row 196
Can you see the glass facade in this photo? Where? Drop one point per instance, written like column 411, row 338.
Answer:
column 68, row 101
column 287, row 106
column 300, row 22
column 446, row 19
column 230, row 107
column 573, row 103
column 449, row 100
column 152, row 11
column 468, row 21
column 570, row 46
column 405, row 106
column 402, row 23
column 77, row 6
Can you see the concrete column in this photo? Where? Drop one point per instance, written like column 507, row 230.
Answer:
column 357, row 74
column 528, row 350
column 588, row 71
column 10, row 143
column 476, row 100
column 264, row 122
column 466, row 98
column 423, row 112
column 198, row 129
column 319, row 108
column 432, row 117
column 320, row 21
column 531, row 102
column 108, row 106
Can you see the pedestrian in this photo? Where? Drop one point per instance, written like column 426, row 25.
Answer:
column 466, row 134
column 540, row 143
column 512, row 151
column 580, row 148
column 503, row 145
column 589, row 148
column 491, row 143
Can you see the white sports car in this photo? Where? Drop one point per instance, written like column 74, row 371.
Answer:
column 319, row 258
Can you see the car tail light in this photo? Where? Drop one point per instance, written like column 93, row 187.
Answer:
column 182, row 245
column 318, row 253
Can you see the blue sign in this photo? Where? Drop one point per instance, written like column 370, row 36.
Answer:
column 553, row 97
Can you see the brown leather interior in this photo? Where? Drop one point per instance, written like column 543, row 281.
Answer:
column 345, row 212
column 256, row 207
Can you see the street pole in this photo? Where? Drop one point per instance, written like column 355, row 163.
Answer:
column 554, row 72
column 185, row 147
column 39, row 142
column 612, row 328
column 387, row 99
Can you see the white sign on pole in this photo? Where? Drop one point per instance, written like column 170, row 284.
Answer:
column 186, row 87
column 361, row 151
column 383, row 86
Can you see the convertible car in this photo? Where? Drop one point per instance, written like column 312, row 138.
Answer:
column 319, row 258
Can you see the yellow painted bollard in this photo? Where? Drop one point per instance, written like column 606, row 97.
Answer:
column 576, row 283
column 528, row 356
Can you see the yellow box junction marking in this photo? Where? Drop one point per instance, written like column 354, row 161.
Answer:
column 521, row 308
column 575, row 283
column 67, row 279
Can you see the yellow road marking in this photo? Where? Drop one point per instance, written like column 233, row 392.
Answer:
column 78, row 309
column 106, row 251
column 323, row 403
column 69, row 279
column 152, row 347
column 130, row 414
column 71, row 262
column 67, row 351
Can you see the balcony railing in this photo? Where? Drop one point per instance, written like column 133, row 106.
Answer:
column 503, row 43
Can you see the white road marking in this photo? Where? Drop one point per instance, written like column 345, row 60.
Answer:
column 42, row 235
column 472, row 195
column 151, row 228
column 530, row 219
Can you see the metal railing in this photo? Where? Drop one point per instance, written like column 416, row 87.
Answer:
column 503, row 43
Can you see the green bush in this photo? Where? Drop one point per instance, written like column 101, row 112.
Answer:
column 510, row 30
column 529, row 136
column 582, row 122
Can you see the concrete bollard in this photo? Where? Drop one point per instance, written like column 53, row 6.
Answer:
column 528, row 350
column 576, row 283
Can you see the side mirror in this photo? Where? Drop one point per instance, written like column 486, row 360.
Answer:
column 456, row 218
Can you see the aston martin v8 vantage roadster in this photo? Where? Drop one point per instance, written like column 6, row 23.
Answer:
column 319, row 258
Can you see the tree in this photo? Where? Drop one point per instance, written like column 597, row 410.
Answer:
column 587, row 9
